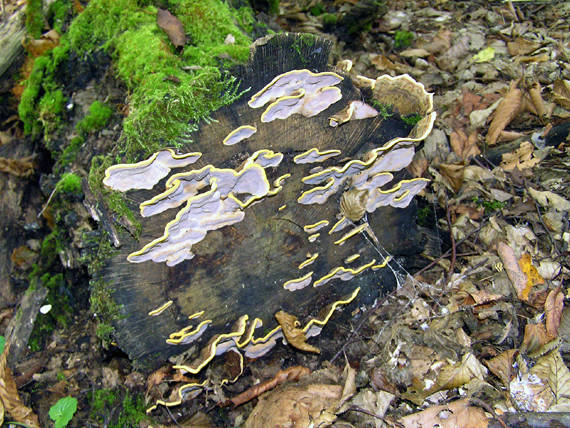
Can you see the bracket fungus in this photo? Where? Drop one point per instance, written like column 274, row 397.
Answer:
column 229, row 240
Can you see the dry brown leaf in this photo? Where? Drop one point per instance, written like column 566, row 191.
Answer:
column 456, row 375
column 453, row 174
column 472, row 213
column 9, row 395
column 554, row 373
column 471, row 102
column 156, row 378
column 506, row 136
column 282, row 376
column 23, row 167
column 521, row 158
column 521, row 46
column 349, row 388
column 505, row 113
column 383, row 63
column 296, row 407
column 514, row 272
column 465, row 147
column 532, row 276
column 294, row 335
column 550, row 200
column 534, row 58
column 199, row 420
column 440, row 42
column 414, row 53
column 452, row 415
column 502, row 365
column 534, row 337
column 534, row 92
column 172, row 27
column 561, row 93
column 419, row 165
column 553, row 307
column 23, row 257
column 47, row 41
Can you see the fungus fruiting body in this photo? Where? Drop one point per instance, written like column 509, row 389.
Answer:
column 239, row 134
column 252, row 228
column 145, row 174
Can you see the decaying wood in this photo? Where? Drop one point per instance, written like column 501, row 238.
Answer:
column 12, row 31
column 22, row 323
column 240, row 269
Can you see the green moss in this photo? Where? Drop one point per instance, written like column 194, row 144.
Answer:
column 411, row 119
column 403, row 39
column 98, row 249
column 115, row 201
column 42, row 95
column 304, row 39
column 317, row 9
column 329, row 19
column 245, row 18
column 490, row 206
column 98, row 116
column 34, row 18
column 165, row 97
column 70, row 183
column 50, row 109
column 60, row 313
column 70, row 152
column 385, row 110
column 58, row 13
column 131, row 408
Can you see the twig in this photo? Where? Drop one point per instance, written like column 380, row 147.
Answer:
column 446, row 254
column 172, row 417
column 374, row 415
column 453, row 249
column 48, row 201
column 545, row 227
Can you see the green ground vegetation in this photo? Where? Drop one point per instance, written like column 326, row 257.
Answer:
column 403, row 39
column 98, row 116
column 98, row 249
column 489, row 206
column 170, row 91
column 57, row 14
column 62, row 412
column 131, row 408
column 412, row 119
column 42, row 100
column 169, row 87
column 385, row 110
column 34, row 18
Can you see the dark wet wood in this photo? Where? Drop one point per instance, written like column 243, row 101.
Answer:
column 240, row 269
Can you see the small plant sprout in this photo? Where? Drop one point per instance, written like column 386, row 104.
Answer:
column 62, row 411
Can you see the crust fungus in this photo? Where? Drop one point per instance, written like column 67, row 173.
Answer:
column 145, row 174
column 239, row 134
column 314, row 155
column 231, row 237
column 354, row 111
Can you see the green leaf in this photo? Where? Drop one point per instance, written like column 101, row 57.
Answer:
column 485, row 55
column 62, row 411
column 2, row 343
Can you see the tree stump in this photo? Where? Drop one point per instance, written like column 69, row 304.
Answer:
column 244, row 268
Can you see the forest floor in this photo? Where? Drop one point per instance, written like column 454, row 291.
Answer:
column 480, row 336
